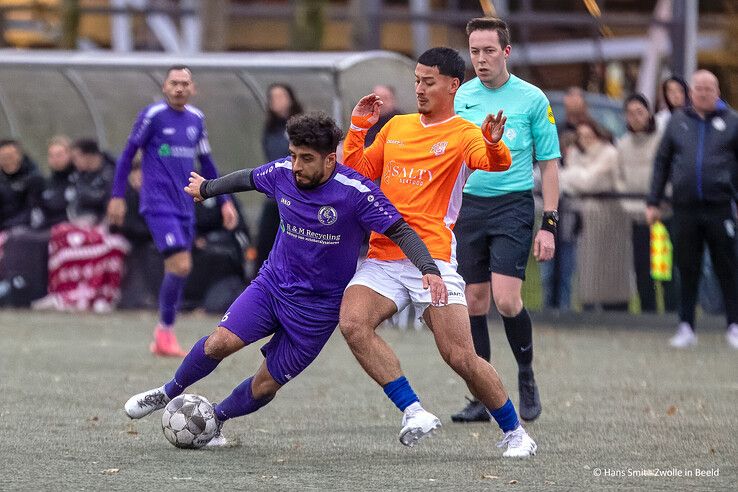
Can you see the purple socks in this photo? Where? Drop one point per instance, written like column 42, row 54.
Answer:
column 240, row 402
column 195, row 366
column 170, row 294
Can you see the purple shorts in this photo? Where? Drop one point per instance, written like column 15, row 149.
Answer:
column 170, row 232
column 298, row 335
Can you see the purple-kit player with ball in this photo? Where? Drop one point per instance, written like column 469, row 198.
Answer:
column 171, row 134
column 325, row 211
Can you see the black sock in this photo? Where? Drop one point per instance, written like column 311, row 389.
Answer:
column 480, row 335
column 519, row 331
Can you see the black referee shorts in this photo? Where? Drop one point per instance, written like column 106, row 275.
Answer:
column 494, row 234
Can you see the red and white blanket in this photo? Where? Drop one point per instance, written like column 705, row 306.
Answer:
column 85, row 268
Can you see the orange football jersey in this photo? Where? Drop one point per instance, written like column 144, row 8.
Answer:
column 423, row 169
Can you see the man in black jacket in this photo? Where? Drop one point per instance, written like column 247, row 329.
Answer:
column 93, row 181
column 699, row 154
column 20, row 186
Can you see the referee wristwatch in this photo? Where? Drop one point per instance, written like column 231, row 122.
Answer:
column 550, row 221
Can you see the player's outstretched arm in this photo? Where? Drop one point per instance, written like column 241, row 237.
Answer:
column 487, row 151
column 201, row 189
column 417, row 252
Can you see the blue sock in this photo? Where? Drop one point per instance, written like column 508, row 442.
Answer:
column 506, row 416
column 169, row 295
column 195, row 366
column 400, row 392
column 240, row 402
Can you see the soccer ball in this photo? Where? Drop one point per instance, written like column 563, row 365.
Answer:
column 189, row 421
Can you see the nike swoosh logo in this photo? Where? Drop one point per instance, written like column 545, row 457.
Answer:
column 469, row 106
column 525, row 349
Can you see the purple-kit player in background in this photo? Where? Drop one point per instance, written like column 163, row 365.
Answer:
column 325, row 210
column 171, row 134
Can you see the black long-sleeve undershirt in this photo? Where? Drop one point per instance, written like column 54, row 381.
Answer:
column 400, row 232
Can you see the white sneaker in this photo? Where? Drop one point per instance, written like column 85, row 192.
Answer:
column 684, row 337
column 417, row 424
column 519, row 444
column 218, row 441
column 145, row 403
column 732, row 335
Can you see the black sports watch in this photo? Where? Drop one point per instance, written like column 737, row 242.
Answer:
column 550, row 221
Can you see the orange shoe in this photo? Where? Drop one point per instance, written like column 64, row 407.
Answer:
column 165, row 343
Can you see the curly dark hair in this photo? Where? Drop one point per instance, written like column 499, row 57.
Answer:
column 448, row 61
column 314, row 130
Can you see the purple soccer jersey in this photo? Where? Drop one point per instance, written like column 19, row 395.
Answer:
column 320, row 232
column 170, row 141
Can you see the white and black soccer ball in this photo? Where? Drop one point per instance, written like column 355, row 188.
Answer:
column 189, row 421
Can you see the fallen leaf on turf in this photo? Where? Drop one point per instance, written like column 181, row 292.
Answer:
column 93, row 419
column 672, row 410
column 512, row 482
column 110, row 471
column 549, row 482
column 132, row 432
column 712, row 450
column 475, row 435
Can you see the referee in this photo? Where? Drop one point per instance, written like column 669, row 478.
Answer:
column 495, row 225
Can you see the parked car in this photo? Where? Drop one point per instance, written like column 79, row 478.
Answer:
column 605, row 111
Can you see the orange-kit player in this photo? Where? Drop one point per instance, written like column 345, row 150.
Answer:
column 423, row 161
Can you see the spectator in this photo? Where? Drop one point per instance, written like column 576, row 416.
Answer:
column 592, row 168
column 675, row 94
column 218, row 261
column 21, row 186
column 636, row 151
column 575, row 111
column 282, row 104
column 93, row 181
column 699, row 155
column 387, row 111
column 85, row 259
column 144, row 267
column 59, row 189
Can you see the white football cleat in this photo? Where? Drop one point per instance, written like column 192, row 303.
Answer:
column 142, row 404
column 417, row 424
column 684, row 337
column 731, row 336
column 218, row 440
column 519, row 444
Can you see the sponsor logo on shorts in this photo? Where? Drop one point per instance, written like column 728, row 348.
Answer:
column 455, row 293
column 327, row 215
column 285, row 201
column 394, row 142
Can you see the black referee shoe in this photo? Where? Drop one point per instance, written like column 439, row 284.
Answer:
column 473, row 412
column 530, row 402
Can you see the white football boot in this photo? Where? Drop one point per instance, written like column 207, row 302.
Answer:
column 218, row 440
column 142, row 404
column 519, row 444
column 684, row 337
column 417, row 424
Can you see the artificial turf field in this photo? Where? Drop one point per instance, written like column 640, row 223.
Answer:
column 620, row 409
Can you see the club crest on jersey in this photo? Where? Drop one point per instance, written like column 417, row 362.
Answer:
column 327, row 215
column 192, row 133
column 439, row 148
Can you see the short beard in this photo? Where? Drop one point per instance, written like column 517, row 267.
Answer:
column 313, row 183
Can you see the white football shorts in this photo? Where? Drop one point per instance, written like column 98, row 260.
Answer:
column 401, row 282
